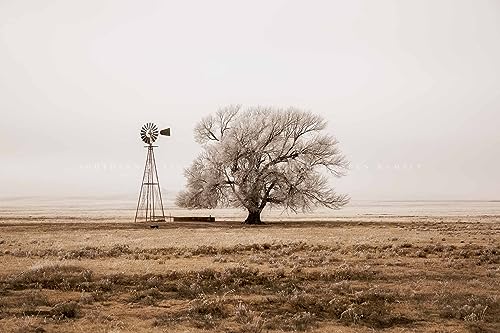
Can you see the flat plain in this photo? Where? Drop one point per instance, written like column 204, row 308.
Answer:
column 390, row 273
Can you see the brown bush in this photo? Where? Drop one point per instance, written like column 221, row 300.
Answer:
column 52, row 276
column 66, row 310
column 148, row 296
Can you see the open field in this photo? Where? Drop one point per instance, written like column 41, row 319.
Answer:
column 352, row 274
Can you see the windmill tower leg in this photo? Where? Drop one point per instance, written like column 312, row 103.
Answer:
column 158, row 185
column 142, row 188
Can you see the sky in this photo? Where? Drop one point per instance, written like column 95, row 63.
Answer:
column 411, row 89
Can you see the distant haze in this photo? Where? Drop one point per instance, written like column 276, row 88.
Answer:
column 411, row 89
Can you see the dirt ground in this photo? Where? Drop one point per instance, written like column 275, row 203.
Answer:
column 377, row 273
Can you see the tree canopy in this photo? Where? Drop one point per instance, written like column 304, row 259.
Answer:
column 262, row 157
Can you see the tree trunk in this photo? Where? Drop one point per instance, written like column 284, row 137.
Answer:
column 253, row 218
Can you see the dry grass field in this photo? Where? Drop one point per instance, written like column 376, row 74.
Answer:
column 390, row 274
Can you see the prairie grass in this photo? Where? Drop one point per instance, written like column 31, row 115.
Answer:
column 51, row 276
column 383, row 281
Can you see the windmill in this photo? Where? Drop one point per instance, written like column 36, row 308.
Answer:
column 150, row 204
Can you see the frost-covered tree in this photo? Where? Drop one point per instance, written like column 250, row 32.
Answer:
column 262, row 157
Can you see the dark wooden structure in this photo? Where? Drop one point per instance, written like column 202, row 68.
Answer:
column 194, row 219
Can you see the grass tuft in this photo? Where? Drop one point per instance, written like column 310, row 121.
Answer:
column 52, row 276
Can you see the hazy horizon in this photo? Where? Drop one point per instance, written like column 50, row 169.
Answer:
column 410, row 89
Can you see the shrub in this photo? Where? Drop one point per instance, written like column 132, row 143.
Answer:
column 203, row 312
column 52, row 276
column 148, row 296
column 66, row 310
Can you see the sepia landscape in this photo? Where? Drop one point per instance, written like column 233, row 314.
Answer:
column 351, row 272
column 261, row 166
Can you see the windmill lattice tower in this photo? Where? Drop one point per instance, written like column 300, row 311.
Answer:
column 150, row 203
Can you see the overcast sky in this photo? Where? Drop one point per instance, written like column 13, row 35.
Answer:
column 411, row 89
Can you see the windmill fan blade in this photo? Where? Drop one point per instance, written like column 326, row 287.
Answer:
column 149, row 133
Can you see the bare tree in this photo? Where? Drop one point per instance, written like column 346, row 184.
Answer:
column 263, row 157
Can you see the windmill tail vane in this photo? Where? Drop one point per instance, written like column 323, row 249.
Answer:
column 150, row 204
